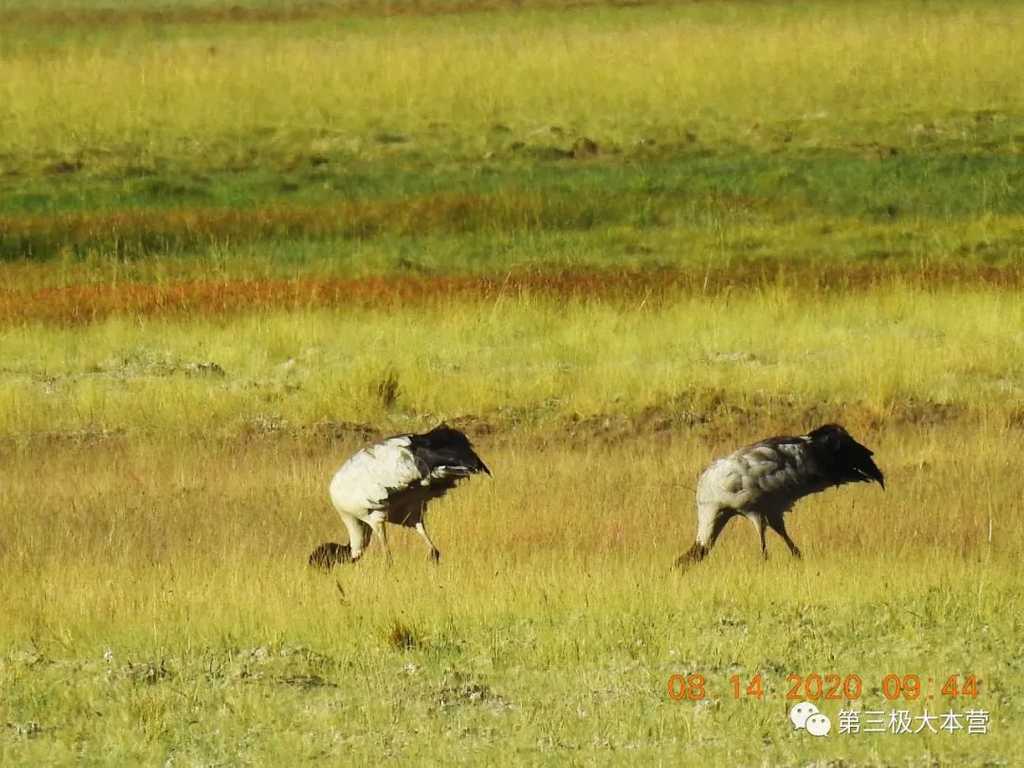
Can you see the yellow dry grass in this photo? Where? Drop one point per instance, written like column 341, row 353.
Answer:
column 772, row 354
column 161, row 588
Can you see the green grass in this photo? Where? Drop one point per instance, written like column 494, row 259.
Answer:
column 917, row 201
column 851, row 181
column 697, row 125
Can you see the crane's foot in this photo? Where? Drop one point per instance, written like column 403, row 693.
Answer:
column 693, row 555
column 435, row 556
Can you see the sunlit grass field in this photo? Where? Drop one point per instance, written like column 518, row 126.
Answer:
column 467, row 84
column 159, row 607
column 757, row 358
column 609, row 241
column 824, row 131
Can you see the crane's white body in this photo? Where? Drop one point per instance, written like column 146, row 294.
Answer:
column 360, row 490
column 365, row 481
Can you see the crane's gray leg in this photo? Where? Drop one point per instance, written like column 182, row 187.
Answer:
column 376, row 523
column 779, row 526
column 711, row 522
column 358, row 534
column 421, row 529
column 413, row 518
column 759, row 524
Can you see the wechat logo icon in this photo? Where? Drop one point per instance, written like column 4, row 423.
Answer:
column 807, row 717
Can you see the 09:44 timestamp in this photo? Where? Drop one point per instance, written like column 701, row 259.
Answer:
column 815, row 687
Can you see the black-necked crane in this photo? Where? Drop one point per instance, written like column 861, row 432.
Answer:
column 764, row 480
column 392, row 482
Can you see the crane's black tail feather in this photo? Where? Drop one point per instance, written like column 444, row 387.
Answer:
column 329, row 554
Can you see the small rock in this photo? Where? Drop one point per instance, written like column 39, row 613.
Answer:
column 64, row 166
column 27, row 730
column 204, row 369
column 552, row 130
column 384, row 137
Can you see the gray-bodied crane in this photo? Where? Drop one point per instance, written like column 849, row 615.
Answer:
column 763, row 481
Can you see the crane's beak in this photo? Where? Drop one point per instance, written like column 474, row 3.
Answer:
column 870, row 471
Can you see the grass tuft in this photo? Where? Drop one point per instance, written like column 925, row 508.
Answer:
column 387, row 390
column 402, row 638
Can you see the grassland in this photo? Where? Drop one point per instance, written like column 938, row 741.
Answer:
column 547, row 634
column 610, row 242
column 902, row 136
column 515, row 361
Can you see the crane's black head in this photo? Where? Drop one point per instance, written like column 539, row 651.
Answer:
column 329, row 554
column 444, row 445
column 842, row 457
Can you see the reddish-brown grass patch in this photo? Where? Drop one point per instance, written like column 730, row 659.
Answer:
column 91, row 301
column 239, row 14
column 88, row 302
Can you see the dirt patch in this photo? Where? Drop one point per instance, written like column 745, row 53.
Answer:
column 583, row 148
column 333, row 431
column 306, row 682
column 461, row 691
column 710, row 416
column 64, row 167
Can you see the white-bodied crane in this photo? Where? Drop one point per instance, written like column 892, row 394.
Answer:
column 392, row 482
